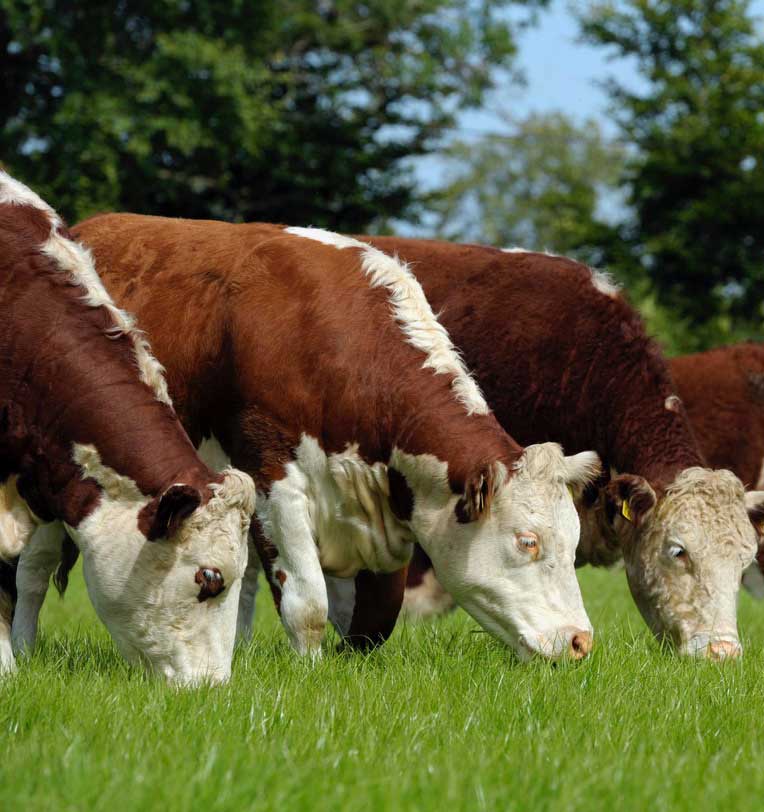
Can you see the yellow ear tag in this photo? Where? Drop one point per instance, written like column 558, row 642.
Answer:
column 570, row 491
column 626, row 511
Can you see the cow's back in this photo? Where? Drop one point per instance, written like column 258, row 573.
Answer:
column 558, row 351
column 530, row 318
column 277, row 334
column 176, row 276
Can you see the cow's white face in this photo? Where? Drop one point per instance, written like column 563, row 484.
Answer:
column 171, row 603
column 685, row 555
column 506, row 549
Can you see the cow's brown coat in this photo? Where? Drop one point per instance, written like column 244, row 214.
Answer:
column 65, row 380
column 283, row 336
column 723, row 393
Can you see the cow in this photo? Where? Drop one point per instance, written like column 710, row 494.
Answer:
column 562, row 356
column 89, row 441
column 723, row 393
column 314, row 362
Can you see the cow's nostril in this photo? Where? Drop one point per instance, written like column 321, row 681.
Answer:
column 580, row 645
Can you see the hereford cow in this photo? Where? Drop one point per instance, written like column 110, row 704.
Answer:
column 89, row 439
column 562, row 356
column 316, row 363
column 723, row 393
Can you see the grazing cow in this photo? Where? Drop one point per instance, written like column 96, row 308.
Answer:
column 89, row 439
column 723, row 394
column 316, row 364
column 562, row 356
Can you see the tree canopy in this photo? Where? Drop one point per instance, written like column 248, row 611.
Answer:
column 285, row 110
column 673, row 204
column 695, row 172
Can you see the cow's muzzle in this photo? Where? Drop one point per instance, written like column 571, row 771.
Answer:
column 567, row 642
column 712, row 648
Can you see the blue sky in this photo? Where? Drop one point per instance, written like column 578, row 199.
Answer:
column 561, row 73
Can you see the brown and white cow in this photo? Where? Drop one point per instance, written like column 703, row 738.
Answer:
column 89, row 439
column 723, row 394
column 316, row 363
column 562, row 356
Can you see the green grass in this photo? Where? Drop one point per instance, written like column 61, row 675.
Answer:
column 441, row 718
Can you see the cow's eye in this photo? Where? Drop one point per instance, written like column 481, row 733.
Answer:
column 528, row 543
column 677, row 552
column 210, row 581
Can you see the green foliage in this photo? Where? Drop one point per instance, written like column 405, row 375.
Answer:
column 538, row 186
column 679, row 334
column 441, row 718
column 284, row 110
column 674, row 207
column 695, row 171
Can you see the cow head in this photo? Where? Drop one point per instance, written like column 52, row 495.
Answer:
column 685, row 552
column 505, row 547
column 164, row 576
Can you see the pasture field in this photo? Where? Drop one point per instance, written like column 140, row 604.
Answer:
column 442, row 718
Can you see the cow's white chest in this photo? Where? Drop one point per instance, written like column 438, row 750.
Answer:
column 17, row 523
column 348, row 510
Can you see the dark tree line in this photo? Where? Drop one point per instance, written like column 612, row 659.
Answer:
column 308, row 111
column 285, row 110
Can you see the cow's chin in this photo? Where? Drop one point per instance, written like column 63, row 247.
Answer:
column 712, row 647
column 174, row 665
column 718, row 644
column 554, row 642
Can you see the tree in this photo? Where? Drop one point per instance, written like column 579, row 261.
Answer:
column 285, row 110
column 541, row 186
column 695, row 174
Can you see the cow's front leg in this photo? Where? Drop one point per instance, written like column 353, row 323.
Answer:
column 17, row 524
column 289, row 552
column 37, row 562
column 364, row 609
column 248, row 594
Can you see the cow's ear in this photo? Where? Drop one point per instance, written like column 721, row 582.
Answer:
column 629, row 498
column 479, row 489
column 754, row 503
column 581, row 470
column 163, row 516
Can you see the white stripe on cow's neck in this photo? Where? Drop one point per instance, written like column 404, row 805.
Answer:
column 412, row 312
column 77, row 262
column 115, row 486
column 15, row 193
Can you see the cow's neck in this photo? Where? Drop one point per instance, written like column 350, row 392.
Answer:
column 650, row 437
column 432, row 422
column 64, row 383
